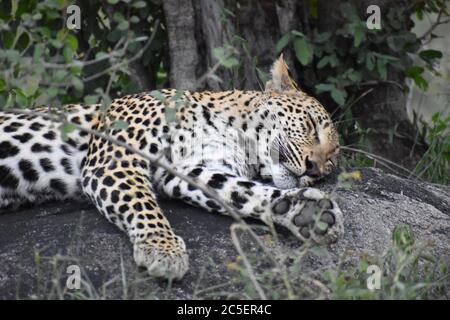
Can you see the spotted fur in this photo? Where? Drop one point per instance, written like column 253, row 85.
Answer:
column 258, row 150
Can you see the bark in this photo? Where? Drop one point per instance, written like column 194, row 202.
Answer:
column 257, row 23
column 140, row 76
column 252, row 30
column 287, row 21
column 180, row 24
column 214, row 33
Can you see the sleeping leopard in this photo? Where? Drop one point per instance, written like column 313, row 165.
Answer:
column 259, row 150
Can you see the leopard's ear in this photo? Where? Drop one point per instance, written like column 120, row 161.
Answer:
column 281, row 81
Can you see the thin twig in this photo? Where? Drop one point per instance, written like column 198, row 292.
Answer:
column 248, row 266
column 379, row 158
column 113, row 67
column 377, row 82
column 435, row 25
column 134, row 58
column 208, row 74
column 362, row 95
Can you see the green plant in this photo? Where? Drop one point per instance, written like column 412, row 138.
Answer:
column 435, row 164
column 42, row 62
column 407, row 272
column 352, row 56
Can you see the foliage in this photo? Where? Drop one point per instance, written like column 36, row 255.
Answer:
column 407, row 272
column 435, row 164
column 349, row 57
column 42, row 62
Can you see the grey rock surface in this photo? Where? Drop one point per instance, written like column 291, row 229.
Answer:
column 38, row 243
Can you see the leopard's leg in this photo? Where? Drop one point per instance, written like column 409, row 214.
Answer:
column 121, row 191
column 307, row 212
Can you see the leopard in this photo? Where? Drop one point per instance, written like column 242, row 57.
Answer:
column 259, row 151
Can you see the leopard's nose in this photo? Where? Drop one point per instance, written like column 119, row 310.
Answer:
column 312, row 169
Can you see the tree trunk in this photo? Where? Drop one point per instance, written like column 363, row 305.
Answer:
column 180, row 24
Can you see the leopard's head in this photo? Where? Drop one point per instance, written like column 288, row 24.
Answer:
column 306, row 142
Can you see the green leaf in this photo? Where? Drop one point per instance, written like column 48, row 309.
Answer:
column 91, row 99
column 339, row 96
column 419, row 14
column 283, row 42
column 60, row 75
column 177, row 96
column 415, row 73
column 78, row 84
column 386, row 57
column 322, row 37
column 321, row 225
column 68, row 54
column 230, row 62
column 323, row 87
column 297, row 33
column 370, row 61
column 52, row 92
column 46, row 32
column 262, row 75
column 37, row 16
column 430, row 54
column 170, row 114
column 139, row 4
column 134, row 19
column 354, row 76
column 66, row 129
column 323, row 62
column 224, row 59
column 38, row 51
column 21, row 98
column 158, row 95
column 219, row 53
column 358, row 36
column 124, row 25
column 105, row 102
column 92, row 41
column 72, row 42
column 2, row 85
column 8, row 39
column 118, row 17
column 120, row 124
column 303, row 50
column 31, row 86
column 100, row 55
column 402, row 237
column 381, row 68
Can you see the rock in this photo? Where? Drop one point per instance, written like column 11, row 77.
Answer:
column 38, row 243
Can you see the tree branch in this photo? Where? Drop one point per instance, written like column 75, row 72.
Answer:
column 434, row 25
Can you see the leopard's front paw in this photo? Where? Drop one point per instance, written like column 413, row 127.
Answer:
column 309, row 214
column 162, row 257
